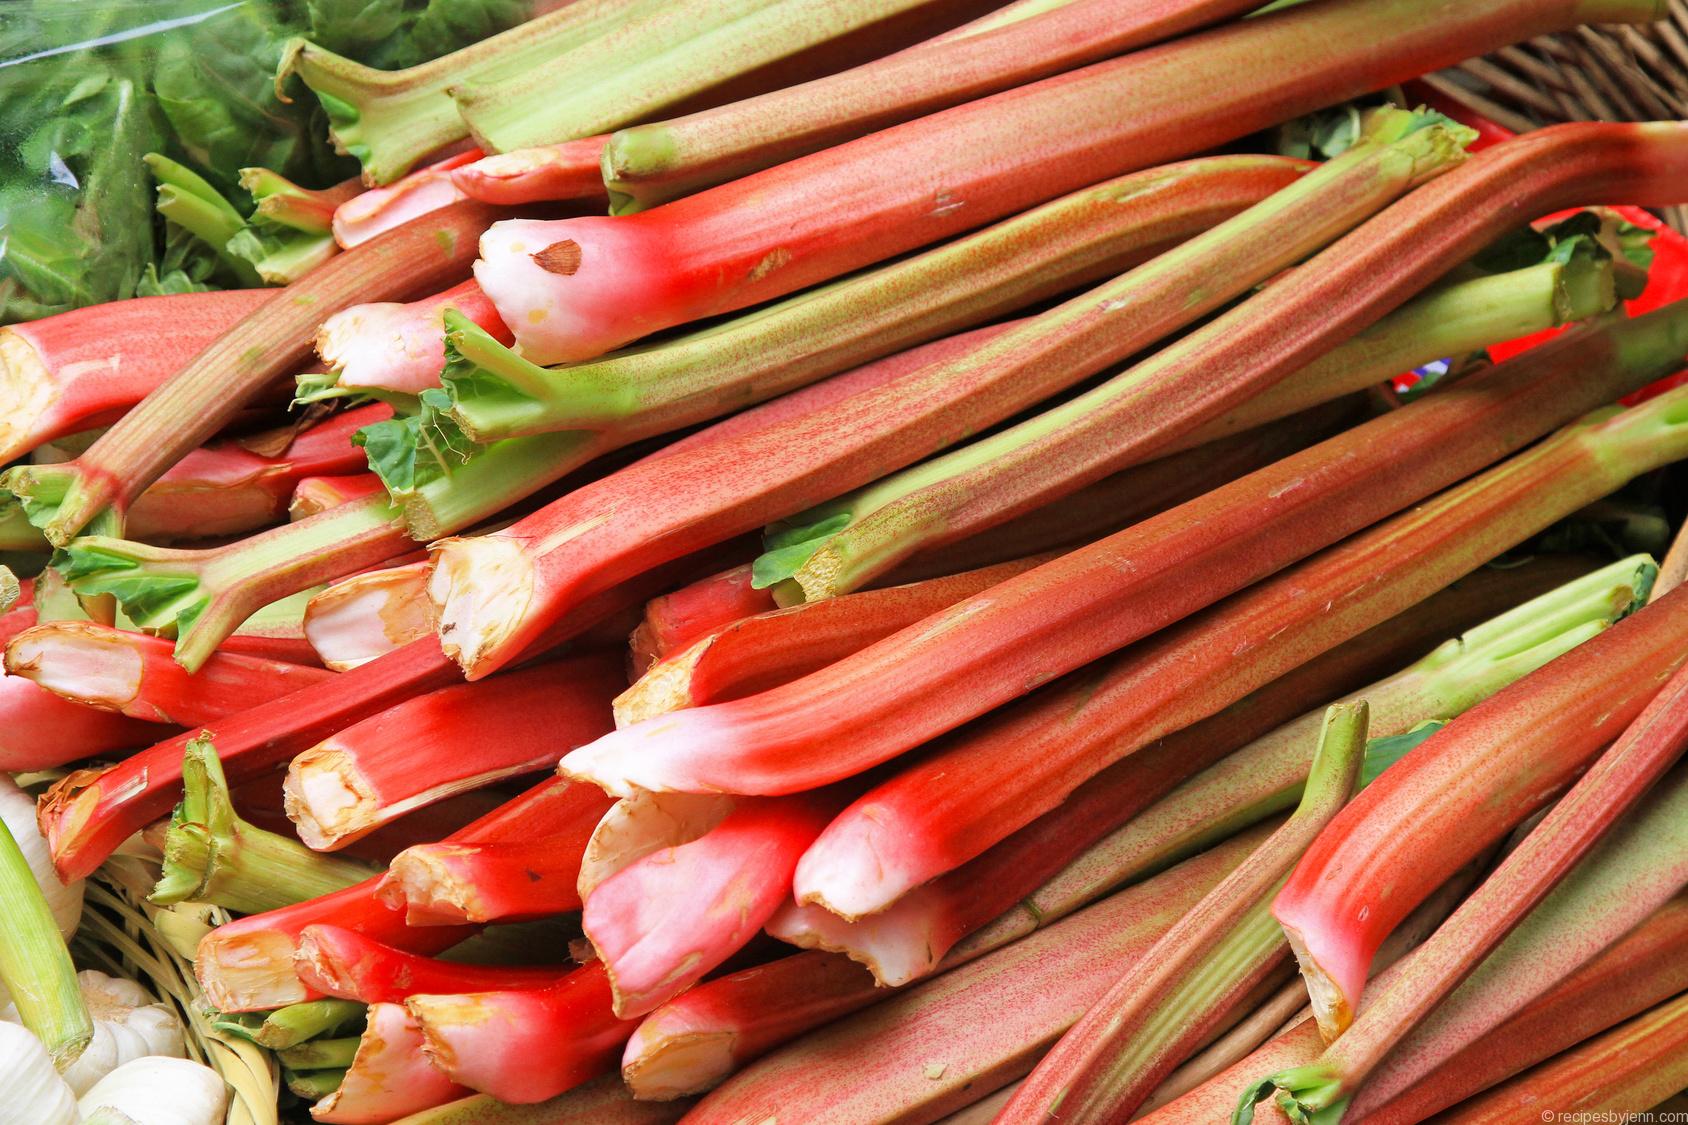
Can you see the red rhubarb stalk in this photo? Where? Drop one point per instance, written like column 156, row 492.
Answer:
column 397, row 348
column 1504, row 758
column 337, row 962
column 1631, row 1068
column 650, row 164
column 911, row 687
column 524, row 1045
column 664, row 920
column 271, row 341
column 43, row 731
column 389, row 1076
column 449, row 741
column 84, row 368
column 378, row 210
column 571, row 170
column 133, row 674
column 367, row 615
column 903, row 1056
column 447, row 884
column 315, row 495
column 675, row 621
column 571, row 546
column 997, row 776
column 1161, row 1008
column 763, row 651
column 1616, row 781
column 604, row 282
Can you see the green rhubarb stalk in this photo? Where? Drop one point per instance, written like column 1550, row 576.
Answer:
column 202, row 596
column 314, row 1085
column 1167, row 1002
column 212, row 855
column 284, row 203
column 390, row 120
column 290, row 232
column 188, row 200
column 842, row 545
column 296, row 1023
column 35, row 965
column 651, row 63
column 1074, row 240
column 319, row 1054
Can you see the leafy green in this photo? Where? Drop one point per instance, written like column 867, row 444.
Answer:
column 787, row 546
column 411, row 450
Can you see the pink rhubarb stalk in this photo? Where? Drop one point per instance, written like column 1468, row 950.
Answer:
column 676, row 620
column 1159, row 1011
column 378, row 210
column 650, row 164
column 314, row 495
column 133, row 674
column 447, row 884
column 911, row 686
column 600, row 282
column 571, row 547
column 82, row 369
column 602, row 1101
column 571, row 170
column 338, row 962
column 389, row 1076
column 43, row 731
column 663, row 921
column 904, row 1056
column 399, row 348
column 271, row 341
column 449, row 741
column 1503, row 759
column 367, row 615
column 524, row 1045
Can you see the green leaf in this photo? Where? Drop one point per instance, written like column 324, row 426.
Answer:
column 1381, row 753
column 410, row 451
column 787, row 546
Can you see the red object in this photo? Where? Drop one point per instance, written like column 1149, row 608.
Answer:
column 571, row 170
column 352, row 966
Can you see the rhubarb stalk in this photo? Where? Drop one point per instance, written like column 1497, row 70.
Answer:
column 395, row 348
column 1132, row 583
column 271, row 341
column 570, row 170
column 315, row 495
column 366, row 214
column 449, row 741
column 346, row 964
column 367, row 615
column 571, row 547
column 389, row 1076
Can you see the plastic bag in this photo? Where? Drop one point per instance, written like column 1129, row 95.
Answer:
column 87, row 87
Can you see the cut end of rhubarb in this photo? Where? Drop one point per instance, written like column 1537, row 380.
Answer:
column 557, row 285
column 82, row 662
column 897, row 946
column 663, row 688
column 328, row 799
column 383, row 345
column 29, row 391
column 856, row 868
column 1333, row 1010
column 480, row 588
column 644, row 823
column 420, row 880
column 368, row 615
column 248, row 972
column 660, row 1067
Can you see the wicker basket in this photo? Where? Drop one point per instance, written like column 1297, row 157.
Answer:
column 1600, row 73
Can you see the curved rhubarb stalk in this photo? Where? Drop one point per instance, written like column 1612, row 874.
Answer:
column 911, row 937
column 1159, row 1011
column 273, row 340
column 772, row 648
column 1096, row 599
column 389, row 1076
column 396, row 348
column 1014, row 1003
column 571, row 546
column 226, row 488
column 366, row 214
column 1001, row 773
column 524, row 1045
column 571, row 170
column 1639, row 1063
column 84, row 368
column 202, row 596
column 663, row 921
column 1621, row 775
column 133, row 674
column 390, row 120
column 314, row 495
column 419, row 751
column 1507, row 757
column 650, row 164
column 928, row 506
column 367, row 615
column 338, row 962
column 1078, row 239
column 596, row 283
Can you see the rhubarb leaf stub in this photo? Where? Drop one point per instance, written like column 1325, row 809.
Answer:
column 787, row 547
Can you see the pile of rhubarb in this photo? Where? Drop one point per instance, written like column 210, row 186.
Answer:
column 864, row 561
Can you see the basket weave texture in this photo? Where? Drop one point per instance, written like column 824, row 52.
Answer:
column 1595, row 73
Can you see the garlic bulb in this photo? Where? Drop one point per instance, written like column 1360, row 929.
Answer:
column 128, row 1024
column 17, row 809
column 30, row 1089
column 156, row 1091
